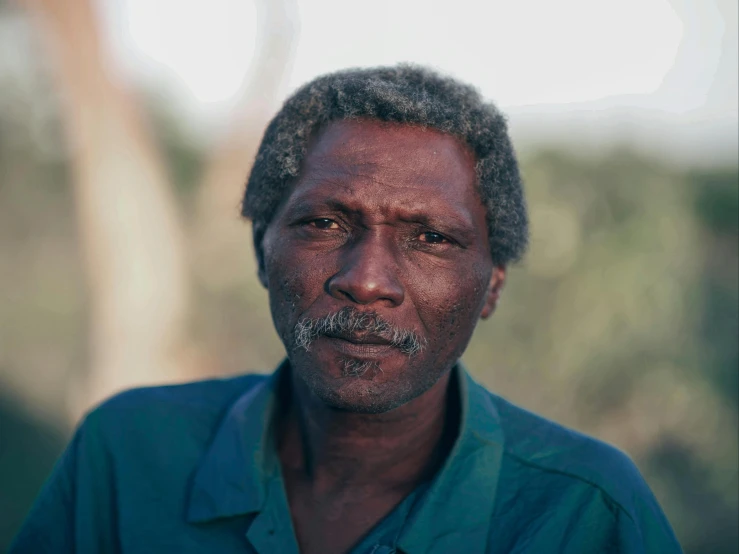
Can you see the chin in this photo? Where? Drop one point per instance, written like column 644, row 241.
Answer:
column 357, row 395
column 383, row 387
column 350, row 393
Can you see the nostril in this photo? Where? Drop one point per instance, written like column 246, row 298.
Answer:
column 348, row 296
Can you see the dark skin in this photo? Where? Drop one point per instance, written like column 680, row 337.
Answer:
column 384, row 218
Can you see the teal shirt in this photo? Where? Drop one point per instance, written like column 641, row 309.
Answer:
column 193, row 468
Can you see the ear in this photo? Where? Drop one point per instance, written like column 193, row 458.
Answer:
column 258, row 236
column 497, row 280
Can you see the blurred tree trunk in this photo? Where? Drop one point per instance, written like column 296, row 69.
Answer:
column 127, row 216
column 128, row 220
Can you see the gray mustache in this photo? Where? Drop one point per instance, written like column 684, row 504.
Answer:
column 349, row 321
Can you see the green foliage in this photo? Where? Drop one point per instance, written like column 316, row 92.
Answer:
column 27, row 453
column 716, row 199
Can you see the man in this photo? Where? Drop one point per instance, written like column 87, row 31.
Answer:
column 386, row 206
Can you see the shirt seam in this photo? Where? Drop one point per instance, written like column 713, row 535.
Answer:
column 529, row 463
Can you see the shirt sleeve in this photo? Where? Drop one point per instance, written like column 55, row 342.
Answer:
column 75, row 511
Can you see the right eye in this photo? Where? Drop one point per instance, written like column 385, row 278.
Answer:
column 324, row 224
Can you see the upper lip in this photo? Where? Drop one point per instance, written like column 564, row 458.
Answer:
column 360, row 338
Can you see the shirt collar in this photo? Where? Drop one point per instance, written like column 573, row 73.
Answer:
column 231, row 479
column 455, row 510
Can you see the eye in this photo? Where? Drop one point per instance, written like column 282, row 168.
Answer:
column 430, row 237
column 324, row 224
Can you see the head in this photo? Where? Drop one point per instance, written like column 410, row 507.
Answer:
column 386, row 206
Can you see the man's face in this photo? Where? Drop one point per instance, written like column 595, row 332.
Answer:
column 378, row 264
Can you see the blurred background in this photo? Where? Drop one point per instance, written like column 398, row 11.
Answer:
column 127, row 128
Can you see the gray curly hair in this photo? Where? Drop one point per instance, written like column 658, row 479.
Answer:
column 401, row 94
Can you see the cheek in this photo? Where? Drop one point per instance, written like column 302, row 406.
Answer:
column 450, row 303
column 286, row 289
column 293, row 283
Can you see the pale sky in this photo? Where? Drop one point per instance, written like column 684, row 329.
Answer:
column 674, row 57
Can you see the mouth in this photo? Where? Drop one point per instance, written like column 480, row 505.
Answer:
column 360, row 338
column 363, row 346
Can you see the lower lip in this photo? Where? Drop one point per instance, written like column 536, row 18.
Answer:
column 360, row 350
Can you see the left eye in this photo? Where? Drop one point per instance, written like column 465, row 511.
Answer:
column 432, row 238
column 324, row 223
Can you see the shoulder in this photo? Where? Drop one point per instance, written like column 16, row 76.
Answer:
column 552, row 476
column 207, row 395
column 565, row 456
column 171, row 413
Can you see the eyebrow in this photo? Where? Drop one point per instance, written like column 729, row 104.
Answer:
column 453, row 223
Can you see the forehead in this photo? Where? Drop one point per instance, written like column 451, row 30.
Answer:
column 380, row 165
column 408, row 149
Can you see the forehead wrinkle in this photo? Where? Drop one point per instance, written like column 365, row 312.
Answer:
column 331, row 163
column 346, row 193
column 359, row 158
column 351, row 175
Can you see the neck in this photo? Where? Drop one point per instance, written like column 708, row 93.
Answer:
column 398, row 449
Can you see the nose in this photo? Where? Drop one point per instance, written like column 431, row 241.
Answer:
column 368, row 273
